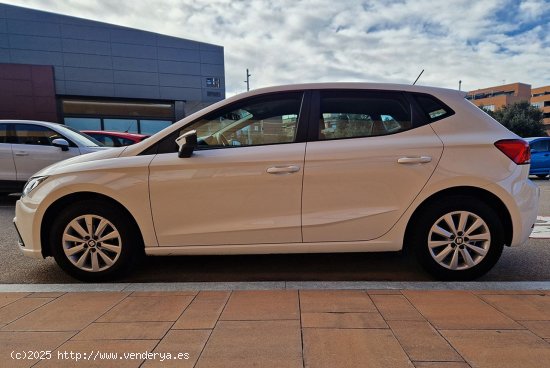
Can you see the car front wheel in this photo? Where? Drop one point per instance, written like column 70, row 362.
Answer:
column 93, row 241
column 458, row 238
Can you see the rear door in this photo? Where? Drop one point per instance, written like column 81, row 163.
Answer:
column 364, row 165
column 33, row 150
column 7, row 166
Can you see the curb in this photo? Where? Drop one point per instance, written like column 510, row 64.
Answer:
column 278, row 285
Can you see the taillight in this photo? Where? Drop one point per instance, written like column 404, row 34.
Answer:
column 517, row 150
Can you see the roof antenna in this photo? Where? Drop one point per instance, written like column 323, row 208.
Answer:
column 416, row 80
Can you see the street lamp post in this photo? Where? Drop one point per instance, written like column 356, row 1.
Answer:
column 247, row 81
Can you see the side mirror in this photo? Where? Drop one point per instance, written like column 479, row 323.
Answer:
column 61, row 143
column 187, row 143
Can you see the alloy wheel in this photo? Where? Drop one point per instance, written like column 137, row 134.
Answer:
column 459, row 240
column 92, row 243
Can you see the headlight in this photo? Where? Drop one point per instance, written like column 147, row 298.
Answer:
column 32, row 183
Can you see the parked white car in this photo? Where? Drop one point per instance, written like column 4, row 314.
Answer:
column 29, row 146
column 334, row 167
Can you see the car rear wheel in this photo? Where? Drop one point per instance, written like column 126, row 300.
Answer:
column 93, row 241
column 458, row 238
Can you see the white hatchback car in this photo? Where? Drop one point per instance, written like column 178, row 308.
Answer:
column 29, row 146
column 336, row 167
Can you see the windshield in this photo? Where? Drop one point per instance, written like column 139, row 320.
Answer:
column 80, row 138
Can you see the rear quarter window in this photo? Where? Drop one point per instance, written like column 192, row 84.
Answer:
column 433, row 108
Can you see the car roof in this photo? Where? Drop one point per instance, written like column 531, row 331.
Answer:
column 37, row 122
column 436, row 91
column 354, row 85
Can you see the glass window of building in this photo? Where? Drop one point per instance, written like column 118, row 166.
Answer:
column 153, row 126
column 84, row 123
column 121, row 125
column 123, row 116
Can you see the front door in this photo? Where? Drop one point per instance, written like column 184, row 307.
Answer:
column 242, row 185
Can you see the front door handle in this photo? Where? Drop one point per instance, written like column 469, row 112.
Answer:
column 21, row 153
column 415, row 160
column 283, row 169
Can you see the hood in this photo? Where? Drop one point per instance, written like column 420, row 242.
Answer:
column 101, row 154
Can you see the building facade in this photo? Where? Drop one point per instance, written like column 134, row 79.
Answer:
column 494, row 98
column 93, row 75
column 540, row 97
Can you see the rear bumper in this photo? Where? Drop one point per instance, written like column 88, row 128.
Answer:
column 521, row 197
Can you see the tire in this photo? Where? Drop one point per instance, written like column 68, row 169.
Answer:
column 106, row 253
column 465, row 252
column 542, row 176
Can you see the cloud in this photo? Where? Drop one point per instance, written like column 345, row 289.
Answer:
column 481, row 43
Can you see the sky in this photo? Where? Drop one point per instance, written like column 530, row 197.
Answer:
column 482, row 43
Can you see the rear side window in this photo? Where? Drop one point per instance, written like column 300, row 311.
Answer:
column 432, row 107
column 106, row 140
column 353, row 114
column 125, row 142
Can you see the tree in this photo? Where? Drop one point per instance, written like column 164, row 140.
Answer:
column 521, row 118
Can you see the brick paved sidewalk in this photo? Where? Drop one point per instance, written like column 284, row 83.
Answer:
column 281, row 328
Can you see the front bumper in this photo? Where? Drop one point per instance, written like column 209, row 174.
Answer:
column 29, row 237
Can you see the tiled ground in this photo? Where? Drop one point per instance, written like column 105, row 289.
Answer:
column 281, row 328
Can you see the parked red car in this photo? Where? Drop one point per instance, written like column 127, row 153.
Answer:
column 115, row 139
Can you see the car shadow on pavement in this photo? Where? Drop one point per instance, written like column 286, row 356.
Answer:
column 280, row 267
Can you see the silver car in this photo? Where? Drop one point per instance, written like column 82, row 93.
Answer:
column 29, row 146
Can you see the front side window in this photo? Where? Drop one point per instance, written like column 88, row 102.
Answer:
column 350, row 114
column 35, row 135
column 271, row 119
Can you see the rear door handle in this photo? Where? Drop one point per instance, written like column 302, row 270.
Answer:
column 21, row 153
column 415, row 160
column 283, row 169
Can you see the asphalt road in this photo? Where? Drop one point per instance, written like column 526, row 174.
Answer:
column 528, row 263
